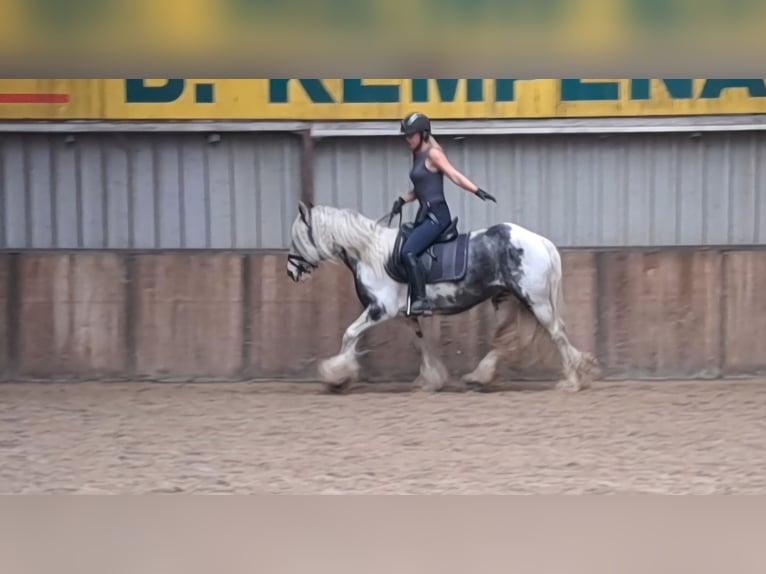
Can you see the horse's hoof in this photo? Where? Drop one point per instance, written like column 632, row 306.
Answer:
column 568, row 387
column 472, row 383
column 428, row 387
column 474, row 387
column 338, row 388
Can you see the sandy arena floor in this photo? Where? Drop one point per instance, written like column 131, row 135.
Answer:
column 704, row 437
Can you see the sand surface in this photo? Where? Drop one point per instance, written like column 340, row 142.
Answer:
column 663, row 437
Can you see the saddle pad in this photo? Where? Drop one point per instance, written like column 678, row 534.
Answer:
column 451, row 263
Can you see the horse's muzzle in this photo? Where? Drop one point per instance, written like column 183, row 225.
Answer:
column 298, row 268
column 297, row 275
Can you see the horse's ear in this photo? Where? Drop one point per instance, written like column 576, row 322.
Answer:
column 305, row 211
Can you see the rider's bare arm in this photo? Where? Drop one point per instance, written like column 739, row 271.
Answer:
column 439, row 160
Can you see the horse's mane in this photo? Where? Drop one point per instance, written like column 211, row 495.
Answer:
column 362, row 238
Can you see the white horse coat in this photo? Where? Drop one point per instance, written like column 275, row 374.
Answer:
column 504, row 263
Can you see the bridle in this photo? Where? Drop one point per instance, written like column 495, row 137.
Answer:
column 303, row 264
column 306, row 266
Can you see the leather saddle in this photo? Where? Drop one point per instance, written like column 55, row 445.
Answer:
column 443, row 246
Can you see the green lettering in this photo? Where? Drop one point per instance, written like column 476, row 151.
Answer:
column 137, row 92
column 351, row 14
column 315, row 90
column 65, row 18
column 496, row 12
column 447, row 89
column 547, row 11
column 713, row 88
column 578, row 91
column 678, row 89
column 463, row 11
column 655, row 15
column 204, row 94
column 252, row 9
column 355, row 92
column 505, row 90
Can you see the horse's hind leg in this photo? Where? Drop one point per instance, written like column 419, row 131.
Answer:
column 571, row 357
column 505, row 340
column 576, row 364
column 544, row 294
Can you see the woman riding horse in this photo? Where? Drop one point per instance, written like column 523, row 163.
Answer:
column 429, row 166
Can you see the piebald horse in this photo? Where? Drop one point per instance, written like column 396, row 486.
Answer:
column 504, row 263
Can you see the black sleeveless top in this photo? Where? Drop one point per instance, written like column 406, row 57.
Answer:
column 428, row 185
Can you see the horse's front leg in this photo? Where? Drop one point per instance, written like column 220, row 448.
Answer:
column 433, row 374
column 340, row 371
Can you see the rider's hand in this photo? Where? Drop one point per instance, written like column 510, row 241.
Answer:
column 484, row 196
column 396, row 209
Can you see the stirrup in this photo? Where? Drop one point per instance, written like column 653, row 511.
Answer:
column 425, row 308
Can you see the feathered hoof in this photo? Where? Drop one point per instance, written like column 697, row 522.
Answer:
column 471, row 383
column 337, row 388
column 591, row 370
column 338, row 373
column 569, row 386
column 474, row 387
column 427, row 385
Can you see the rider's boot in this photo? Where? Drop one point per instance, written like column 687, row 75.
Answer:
column 417, row 280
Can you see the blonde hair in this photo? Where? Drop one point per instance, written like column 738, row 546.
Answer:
column 434, row 143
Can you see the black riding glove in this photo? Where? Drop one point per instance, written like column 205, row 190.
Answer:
column 484, row 196
column 396, row 209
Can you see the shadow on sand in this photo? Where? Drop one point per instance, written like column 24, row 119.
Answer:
column 451, row 387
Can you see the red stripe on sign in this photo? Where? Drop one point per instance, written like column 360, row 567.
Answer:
column 34, row 98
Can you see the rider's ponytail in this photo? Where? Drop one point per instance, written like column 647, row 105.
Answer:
column 433, row 142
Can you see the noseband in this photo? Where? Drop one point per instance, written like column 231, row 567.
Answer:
column 301, row 263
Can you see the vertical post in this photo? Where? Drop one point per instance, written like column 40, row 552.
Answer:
column 307, row 177
column 307, row 166
column 602, row 335
column 13, row 313
column 723, row 301
column 132, row 312
column 246, row 355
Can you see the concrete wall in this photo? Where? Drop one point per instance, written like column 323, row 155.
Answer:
column 633, row 214
column 684, row 312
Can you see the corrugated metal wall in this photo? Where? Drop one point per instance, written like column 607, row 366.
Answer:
column 148, row 191
column 580, row 190
column 152, row 191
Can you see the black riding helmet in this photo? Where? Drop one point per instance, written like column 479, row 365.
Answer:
column 417, row 123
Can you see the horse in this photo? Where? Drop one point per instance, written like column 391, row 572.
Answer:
column 505, row 263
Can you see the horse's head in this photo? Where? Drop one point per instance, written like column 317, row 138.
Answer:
column 303, row 257
column 325, row 233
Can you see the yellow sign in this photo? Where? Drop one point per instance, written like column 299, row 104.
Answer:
column 246, row 35
column 381, row 99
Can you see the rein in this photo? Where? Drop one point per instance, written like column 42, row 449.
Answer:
column 390, row 216
column 301, row 262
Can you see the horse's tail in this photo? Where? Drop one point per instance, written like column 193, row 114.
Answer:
column 555, row 299
column 556, row 294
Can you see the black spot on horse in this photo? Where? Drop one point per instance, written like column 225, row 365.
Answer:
column 375, row 312
column 366, row 298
